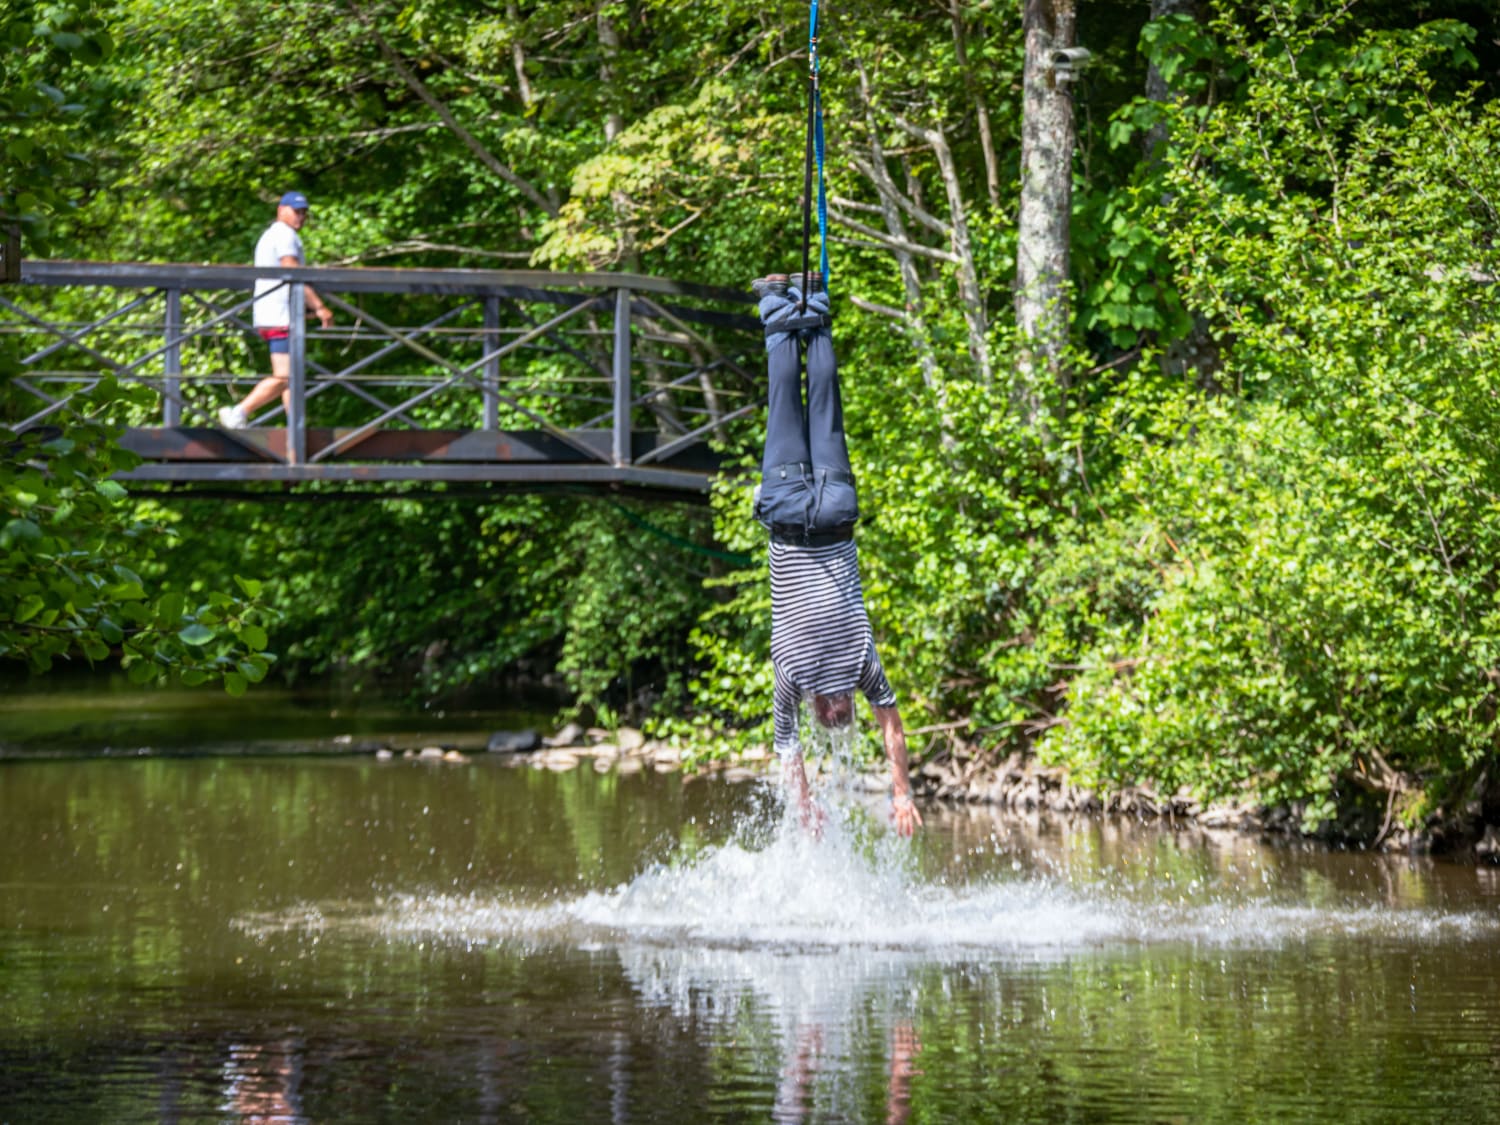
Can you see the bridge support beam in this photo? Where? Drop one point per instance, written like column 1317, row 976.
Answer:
column 296, row 416
column 491, row 377
column 621, row 380
column 171, row 360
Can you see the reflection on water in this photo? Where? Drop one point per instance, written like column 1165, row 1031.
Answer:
column 277, row 940
column 91, row 716
column 260, row 1083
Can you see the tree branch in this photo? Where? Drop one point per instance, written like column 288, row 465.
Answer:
column 888, row 190
column 891, row 242
column 471, row 142
column 883, row 310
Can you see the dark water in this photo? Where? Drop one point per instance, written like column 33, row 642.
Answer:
column 242, row 939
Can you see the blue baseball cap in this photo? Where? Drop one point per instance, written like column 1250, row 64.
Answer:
column 294, row 199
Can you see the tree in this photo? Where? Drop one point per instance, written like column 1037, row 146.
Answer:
column 1044, row 223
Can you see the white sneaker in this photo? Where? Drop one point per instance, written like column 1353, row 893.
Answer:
column 233, row 418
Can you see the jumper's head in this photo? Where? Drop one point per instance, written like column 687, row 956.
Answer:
column 833, row 711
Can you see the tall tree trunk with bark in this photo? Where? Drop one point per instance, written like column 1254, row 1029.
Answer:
column 1047, row 138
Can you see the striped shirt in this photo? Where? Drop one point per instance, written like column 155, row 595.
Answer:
column 821, row 641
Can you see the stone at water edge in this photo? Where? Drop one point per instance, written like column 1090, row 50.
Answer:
column 559, row 761
column 431, row 753
column 455, row 756
column 565, row 737
column 513, row 741
column 662, row 754
column 383, row 755
column 628, row 739
column 630, row 765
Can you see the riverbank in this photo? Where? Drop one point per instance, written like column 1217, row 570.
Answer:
column 1018, row 782
column 114, row 720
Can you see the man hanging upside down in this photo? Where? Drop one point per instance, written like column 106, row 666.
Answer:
column 822, row 646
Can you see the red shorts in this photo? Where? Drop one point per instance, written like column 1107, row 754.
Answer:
column 278, row 338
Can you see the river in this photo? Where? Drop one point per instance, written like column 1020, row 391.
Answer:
column 251, row 937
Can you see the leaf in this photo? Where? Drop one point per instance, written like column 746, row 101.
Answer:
column 169, row 607
column 19, row 530
column 253, row 636
column 30, row 606
column 251, row 586
column 195, row 634
column 141, row 672
column 252, row 670
column 235, row 684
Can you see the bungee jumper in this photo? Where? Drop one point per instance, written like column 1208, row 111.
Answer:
column 822, row 645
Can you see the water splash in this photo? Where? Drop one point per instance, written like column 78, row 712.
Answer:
column 858, row 888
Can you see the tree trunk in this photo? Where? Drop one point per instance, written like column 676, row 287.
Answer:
column 981, row 110
column 609, row 51
column 1156, row 86
column 614, row 124
column 518, row 54
column 971, row 296
column 1042, row 314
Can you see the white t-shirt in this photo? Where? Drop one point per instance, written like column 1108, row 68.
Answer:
column 273, row 299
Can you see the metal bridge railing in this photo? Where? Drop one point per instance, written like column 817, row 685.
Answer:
column 505, row 375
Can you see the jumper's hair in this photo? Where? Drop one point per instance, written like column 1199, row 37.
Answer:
column 833, row 712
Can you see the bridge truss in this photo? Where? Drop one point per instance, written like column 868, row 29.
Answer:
column 515, row 377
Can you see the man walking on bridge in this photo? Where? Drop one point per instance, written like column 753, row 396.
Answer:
column 822, row 646
column 280, row 245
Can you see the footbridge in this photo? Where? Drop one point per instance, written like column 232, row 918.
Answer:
column 512, row 377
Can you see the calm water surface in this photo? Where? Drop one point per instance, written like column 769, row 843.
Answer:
column 255, row 939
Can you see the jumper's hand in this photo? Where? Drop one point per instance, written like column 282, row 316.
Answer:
column 904, row 815
column 325, row 316
column 813, row 818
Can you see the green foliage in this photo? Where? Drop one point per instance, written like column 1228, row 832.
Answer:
column 1320, row 600
column 70, row 555
column 43, row 46
column 443, row 593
